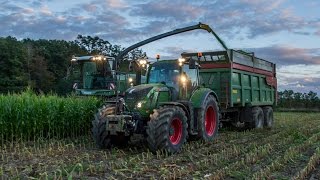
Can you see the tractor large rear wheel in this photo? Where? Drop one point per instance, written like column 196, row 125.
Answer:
column 99, row 130
column 208, row 119
column 167, row 129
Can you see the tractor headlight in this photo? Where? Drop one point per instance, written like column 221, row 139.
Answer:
column 181, row 61
column 139, row 104
column 130, row 80
column 183, row 79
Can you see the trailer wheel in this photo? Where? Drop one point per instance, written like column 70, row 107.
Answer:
column 257, row 118
column 268, row 116
column 100, row 135
column 167, row 129
column 208, row 119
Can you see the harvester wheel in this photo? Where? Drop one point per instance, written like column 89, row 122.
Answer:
column 167, row 129
column 100, row 135
column 208, row 119
column 268, row 116
column 257, row 118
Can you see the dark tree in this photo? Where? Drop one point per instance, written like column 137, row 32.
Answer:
column 13, row 65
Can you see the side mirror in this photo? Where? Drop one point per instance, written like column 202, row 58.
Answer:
column 192, row 64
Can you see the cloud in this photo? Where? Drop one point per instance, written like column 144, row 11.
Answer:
column 302, row 33
column 90, row 7
column 45, row 22
column 46, row 11
column 116, row 4
column 300, row 78
column 128, row 21
column 286, row 55
column 254, row 18
column 303, row 85
column 167, row 10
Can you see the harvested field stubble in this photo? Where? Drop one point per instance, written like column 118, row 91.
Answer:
column 289, row 150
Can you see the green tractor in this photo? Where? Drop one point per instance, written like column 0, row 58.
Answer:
column 96, row 76
column 169, row 107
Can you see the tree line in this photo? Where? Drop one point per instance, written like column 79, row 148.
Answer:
column 289, row 99
column 43, row 64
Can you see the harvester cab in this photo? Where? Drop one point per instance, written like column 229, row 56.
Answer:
column 96, row 75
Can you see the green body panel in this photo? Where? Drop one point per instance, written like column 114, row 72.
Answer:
column 149, row 95
column 122, row 85
column 199, row 96
column 236, row 88
column 97, row 77
column 250, row 88
column 89, row 70
column 218, row 80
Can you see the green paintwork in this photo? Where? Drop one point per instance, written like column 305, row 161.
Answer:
column 250, row 88
column 158, row 94
column 199, row 96
column 149, row 100
column 95, row 79
column 238, row 88
column 218, row 80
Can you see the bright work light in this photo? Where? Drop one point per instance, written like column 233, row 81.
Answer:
column 143, row 62
column 183, row 79
column 181, row 61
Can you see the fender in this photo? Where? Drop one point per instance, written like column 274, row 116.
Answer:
column 186, row 109
column 199, row 95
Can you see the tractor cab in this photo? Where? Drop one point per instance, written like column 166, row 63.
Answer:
column 177, row 75
column 166, row 81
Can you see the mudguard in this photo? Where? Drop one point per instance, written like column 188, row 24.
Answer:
column 186, row 109
column 199, row 95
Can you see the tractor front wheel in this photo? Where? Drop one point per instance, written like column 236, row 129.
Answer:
column 167, row 129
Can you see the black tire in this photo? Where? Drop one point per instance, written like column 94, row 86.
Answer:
column 100, row 135
column 167, row 129
column 268, row 116
column 208, row 119
column 257, row 118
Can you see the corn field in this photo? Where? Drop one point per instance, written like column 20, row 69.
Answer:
column 27, row 116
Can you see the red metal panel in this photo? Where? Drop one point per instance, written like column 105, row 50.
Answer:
column 251, row 69
column 237, row 66
column 271, row 81
column 215, row 65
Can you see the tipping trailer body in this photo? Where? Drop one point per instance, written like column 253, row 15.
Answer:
column 238, row 78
